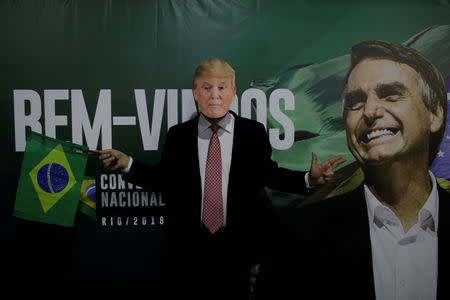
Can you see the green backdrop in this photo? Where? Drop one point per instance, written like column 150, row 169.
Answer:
column 107, row 54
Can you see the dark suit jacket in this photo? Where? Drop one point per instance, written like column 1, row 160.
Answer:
column 222, row 260
column 324, row 250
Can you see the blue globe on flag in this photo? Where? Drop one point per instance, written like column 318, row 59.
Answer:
column 52, row 178
column 90, row 192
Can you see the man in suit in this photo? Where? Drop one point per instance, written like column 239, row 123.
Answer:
column 387, row 239
column 212, row 178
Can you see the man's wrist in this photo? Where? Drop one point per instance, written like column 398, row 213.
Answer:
column 307, row 181
column 130, row 162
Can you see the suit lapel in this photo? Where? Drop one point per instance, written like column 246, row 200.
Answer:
column 191, row 144
column 443, row 244
column 235, row 157
column 235, row 163
column 360, row 239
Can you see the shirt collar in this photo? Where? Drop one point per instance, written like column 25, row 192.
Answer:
column 226, row 123
column 428, row 214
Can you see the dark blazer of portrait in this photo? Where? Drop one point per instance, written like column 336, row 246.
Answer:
column 223, row 259
column 323, row 250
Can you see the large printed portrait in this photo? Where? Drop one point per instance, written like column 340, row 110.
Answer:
column 320, row 126
column 385, row 108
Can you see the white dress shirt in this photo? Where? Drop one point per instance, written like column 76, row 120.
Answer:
column 404, row 264
column 225, row 134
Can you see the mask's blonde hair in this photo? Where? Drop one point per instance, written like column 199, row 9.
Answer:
column 214, row 67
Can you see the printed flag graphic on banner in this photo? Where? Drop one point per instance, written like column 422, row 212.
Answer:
column 441, row 164
column 50, row 180
column 88, row 203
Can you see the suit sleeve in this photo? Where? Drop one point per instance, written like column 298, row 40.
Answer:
column 275, row 177
column 152, row 177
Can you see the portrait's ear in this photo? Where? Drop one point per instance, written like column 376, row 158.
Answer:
column 194, row 92
column 436, row 119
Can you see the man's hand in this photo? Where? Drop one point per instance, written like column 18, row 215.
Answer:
column 108, row 156
column 321, row 173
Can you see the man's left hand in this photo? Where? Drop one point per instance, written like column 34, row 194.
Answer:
column 323, row 172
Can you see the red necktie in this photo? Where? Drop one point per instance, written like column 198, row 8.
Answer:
column 212, row 197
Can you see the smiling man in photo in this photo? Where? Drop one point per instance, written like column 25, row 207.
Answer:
column 388, row 238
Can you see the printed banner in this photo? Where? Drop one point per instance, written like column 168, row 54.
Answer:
column 118, row 74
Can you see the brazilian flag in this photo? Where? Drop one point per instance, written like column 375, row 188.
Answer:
column 50, row 180
column 88, row 203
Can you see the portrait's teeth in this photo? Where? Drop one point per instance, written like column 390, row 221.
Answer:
column 377, row 133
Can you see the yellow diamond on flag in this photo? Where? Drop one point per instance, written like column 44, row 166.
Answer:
column 52, row 178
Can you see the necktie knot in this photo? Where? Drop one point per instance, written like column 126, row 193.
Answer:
column 215, row 128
